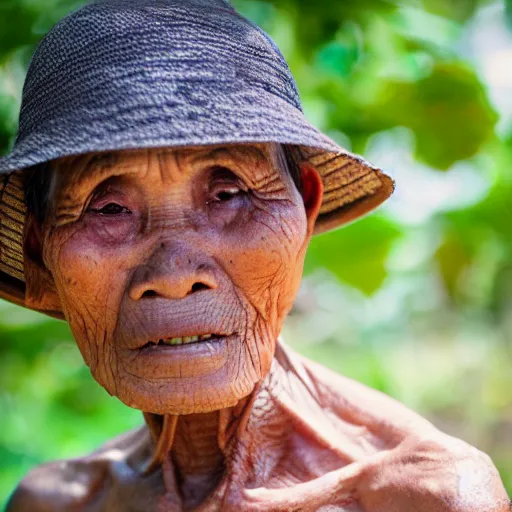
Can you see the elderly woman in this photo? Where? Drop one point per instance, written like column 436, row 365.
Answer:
column 160, row 197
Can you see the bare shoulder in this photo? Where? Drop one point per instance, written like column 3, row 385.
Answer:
column 359, row 404
column 67, row 485
column 410, row 462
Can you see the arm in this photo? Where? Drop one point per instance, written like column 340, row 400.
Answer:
column 61, row 486
column 21, row 500
column 27, row 496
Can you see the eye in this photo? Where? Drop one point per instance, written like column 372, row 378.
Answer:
column 111, row 209
column 225, row 186
column 225, row 193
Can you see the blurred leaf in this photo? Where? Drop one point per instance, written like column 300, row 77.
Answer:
column 356, row 254
column 324, row 19
column 459, row 10
column 14, row 35
column 508, row 11
column 448, row 112
column 340, row 55
column 454, row 257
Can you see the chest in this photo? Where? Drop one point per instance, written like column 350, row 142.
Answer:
column 288, row 462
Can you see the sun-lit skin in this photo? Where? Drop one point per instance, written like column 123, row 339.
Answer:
column 157, row 244
column 143, row 246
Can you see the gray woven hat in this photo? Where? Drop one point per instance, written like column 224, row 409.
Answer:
column 152, row 73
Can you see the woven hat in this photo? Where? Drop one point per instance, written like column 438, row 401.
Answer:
column 153, row 73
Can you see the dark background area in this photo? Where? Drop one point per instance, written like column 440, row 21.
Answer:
column 415, row 300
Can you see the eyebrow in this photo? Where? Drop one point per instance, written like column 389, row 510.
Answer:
column 233, row 151
column 90, row 169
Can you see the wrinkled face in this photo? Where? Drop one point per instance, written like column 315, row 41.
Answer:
column 175, row 269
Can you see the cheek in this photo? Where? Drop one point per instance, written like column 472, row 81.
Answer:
column 90, row 282
column 267, row 259
column 84, row 269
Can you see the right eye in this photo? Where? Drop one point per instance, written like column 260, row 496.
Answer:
column 111, row 209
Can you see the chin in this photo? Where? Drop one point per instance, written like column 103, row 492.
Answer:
column 187, row 379
column 185, row 396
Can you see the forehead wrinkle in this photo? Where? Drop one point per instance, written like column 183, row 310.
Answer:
column 168, row 163
column 255, row 163
column 234, row 151
column 86, row 171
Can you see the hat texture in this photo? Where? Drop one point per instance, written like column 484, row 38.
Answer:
column 137, row 74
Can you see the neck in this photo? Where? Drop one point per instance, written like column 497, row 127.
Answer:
column 195, row 447
column 195, row 451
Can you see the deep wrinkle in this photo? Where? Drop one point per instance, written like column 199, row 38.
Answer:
column 168, row 203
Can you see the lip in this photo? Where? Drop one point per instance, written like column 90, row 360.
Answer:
column 160, row 362
column 140, row 322
column 163, row 329
column 144, row 343
column 165, row 342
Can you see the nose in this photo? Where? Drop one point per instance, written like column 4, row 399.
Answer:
column 174, row 271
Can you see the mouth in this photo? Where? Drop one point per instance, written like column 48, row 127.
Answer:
column 176, row 357
column 184, row 340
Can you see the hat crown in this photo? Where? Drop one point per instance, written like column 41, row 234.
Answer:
column 156, row 3
column 140, row 3
column 174, row 47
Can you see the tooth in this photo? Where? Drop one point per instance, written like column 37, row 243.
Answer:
column 193, row 339
column 176, row 341
column 206, row 337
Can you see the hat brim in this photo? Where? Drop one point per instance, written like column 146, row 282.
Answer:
column 352, row 186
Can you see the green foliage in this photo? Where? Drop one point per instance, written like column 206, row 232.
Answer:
column 447, row 111
column 459, row 10
column 348, row 253
column 415, row 300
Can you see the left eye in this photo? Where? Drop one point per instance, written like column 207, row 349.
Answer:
column 224, row 186
column 112, row 209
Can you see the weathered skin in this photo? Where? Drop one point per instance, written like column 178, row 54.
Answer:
column 173, row 245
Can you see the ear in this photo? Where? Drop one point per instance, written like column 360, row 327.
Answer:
column 40, row 291
column 312, row 194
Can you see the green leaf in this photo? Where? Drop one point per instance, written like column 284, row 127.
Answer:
column 356, row 254
column 448, row 112
column 458, row 10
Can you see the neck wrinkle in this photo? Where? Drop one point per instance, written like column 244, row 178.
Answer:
column 163, row 432
column 232, row 423
column 193, row 451
column 232, row 433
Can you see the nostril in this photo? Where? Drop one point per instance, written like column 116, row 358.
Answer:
column 196, row 287
column 149, row 293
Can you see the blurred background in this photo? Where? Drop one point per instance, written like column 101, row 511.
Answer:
column 415, row 300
